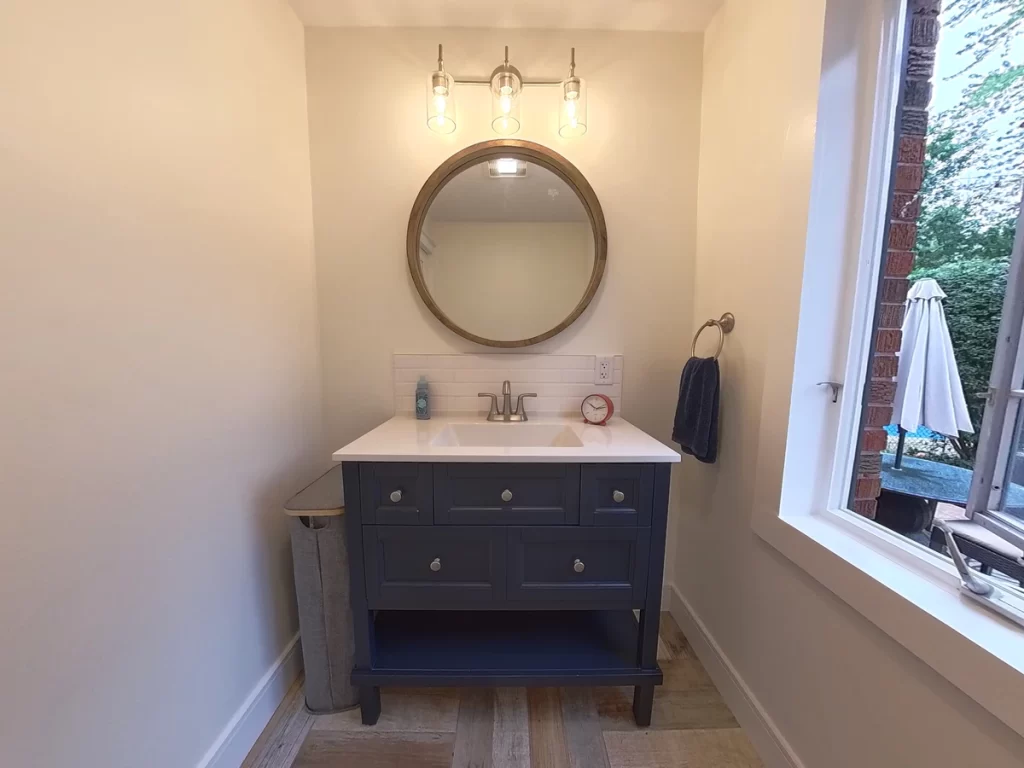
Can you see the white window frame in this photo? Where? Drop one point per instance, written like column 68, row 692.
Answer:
column 1004, row 402
column 907, row 590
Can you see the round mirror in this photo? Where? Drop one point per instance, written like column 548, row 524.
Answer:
column 507, row 243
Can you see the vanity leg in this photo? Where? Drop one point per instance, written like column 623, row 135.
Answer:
column 363, row 632
column 369, row 704
column 650, row 614
column 643, row 704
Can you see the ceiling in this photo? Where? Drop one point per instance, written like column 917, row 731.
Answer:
column 662, row 15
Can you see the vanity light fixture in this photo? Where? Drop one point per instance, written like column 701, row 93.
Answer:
column 440, row 98
column 506, row 85
column 572, row 117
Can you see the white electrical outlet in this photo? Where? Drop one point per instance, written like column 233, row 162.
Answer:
column 604, row 370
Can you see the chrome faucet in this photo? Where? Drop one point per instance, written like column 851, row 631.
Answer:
column 506, row 413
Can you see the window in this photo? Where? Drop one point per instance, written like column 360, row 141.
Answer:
column 854, row 263
column 940, row 434
column 997, row 494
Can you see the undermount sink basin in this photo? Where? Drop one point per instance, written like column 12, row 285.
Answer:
column 508, row 435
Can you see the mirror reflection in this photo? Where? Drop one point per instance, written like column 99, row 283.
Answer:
column 507, row 249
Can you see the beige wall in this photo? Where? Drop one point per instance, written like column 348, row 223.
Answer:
column 160, row 376
column 371, row 152
column 509, row 280
column 842, row 693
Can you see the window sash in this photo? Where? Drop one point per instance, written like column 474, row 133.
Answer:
column 999, row 435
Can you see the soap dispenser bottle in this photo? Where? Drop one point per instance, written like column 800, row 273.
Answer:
column 422, row 399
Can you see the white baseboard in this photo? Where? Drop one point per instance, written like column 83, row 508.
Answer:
column 771, row 745
column 244, row 728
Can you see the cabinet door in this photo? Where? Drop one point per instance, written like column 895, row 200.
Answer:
column 578, row 567
column 506, row 494
column 396, row 493
column 616, row 494
column 422, row 567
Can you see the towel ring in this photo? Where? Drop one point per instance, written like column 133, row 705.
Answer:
column 724, row 324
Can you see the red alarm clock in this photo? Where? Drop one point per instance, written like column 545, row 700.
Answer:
column 597, row 409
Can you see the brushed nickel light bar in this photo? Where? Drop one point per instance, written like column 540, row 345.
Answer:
column 506, row 84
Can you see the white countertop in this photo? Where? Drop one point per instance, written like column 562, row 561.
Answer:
column 404, row 438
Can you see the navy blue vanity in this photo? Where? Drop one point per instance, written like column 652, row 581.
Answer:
column 506, row 574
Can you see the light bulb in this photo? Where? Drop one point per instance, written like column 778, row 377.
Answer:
column 506, row 104
column 440, row 101
column 570, row 112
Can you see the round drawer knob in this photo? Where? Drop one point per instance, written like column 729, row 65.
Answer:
column 396, row 496
column 618, row 497
column 578, row 565
column 506, row 495
column 435, row 564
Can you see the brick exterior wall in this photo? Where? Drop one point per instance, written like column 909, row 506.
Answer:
column 923, row 18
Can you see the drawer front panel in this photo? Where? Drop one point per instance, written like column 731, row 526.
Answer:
column 617, row 494
column 502, row 494
column 428, row 568
column 577, row 565
column 397, row 494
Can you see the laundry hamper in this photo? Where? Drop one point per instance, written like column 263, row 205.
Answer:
column 319, row 551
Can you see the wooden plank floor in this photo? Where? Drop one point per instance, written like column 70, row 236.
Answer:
column 520, row 728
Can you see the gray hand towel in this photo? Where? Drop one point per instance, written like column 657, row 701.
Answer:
column 696, row 423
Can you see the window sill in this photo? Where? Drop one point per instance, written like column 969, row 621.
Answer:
column 912, row 598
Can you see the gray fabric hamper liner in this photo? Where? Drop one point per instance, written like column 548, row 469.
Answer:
column 320, row 557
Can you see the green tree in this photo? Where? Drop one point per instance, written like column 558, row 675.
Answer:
column 953, row 225
column 971, row 194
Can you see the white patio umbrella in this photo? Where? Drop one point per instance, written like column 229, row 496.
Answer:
column 928, row 388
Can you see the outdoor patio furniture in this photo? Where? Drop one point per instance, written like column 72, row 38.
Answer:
column 926, row 479
column 979, row 543
column 904, row 513
column 928, row 388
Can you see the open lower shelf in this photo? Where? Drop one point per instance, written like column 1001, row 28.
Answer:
column 506, row 648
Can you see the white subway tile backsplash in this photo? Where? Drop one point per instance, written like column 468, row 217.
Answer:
column 412, row 361
column 412, row 375
column 465, row 405
column 578, row 376
column 535, row 376
column 560, row 381
column 481, row 375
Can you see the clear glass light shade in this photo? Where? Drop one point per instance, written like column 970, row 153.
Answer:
column 572, row 113
column 506, row 89
column 441, row 117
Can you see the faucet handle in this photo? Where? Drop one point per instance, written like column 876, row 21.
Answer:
column 520, row 408
column 494, row 404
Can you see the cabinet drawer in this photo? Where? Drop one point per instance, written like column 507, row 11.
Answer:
column 396, row 494
column 578, row 566
column 617, row 494
column 502, row 494
column 433, row 568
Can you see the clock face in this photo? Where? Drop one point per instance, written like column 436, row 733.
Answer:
column 597, row 409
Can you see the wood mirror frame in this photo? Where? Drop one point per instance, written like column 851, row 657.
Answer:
column 521, row 150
